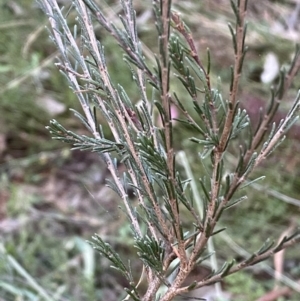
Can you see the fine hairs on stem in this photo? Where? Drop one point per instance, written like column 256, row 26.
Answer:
column 164, row 243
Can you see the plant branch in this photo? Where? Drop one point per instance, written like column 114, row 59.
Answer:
column 255, row 258
column 268, row 117
column 238, row 62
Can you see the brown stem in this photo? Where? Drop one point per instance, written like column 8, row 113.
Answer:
column 240, row 32
column 238, row 267
column 269, row 117
column 166, row 101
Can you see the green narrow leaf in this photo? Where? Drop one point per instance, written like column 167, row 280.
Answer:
column 208, row 61
column 252, row 182
column 236, row 11
column 265, row 247
column 233, row 203
column 218, row 231
column 233, row 38
column 231, row 80
column 227, row 268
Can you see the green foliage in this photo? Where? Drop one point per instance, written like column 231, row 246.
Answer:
column 146, row 149
column 242, row 286
column 19, row 202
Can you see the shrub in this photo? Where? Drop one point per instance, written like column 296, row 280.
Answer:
column 168, row 247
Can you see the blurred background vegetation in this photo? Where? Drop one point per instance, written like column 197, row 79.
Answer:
column 52, row 200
